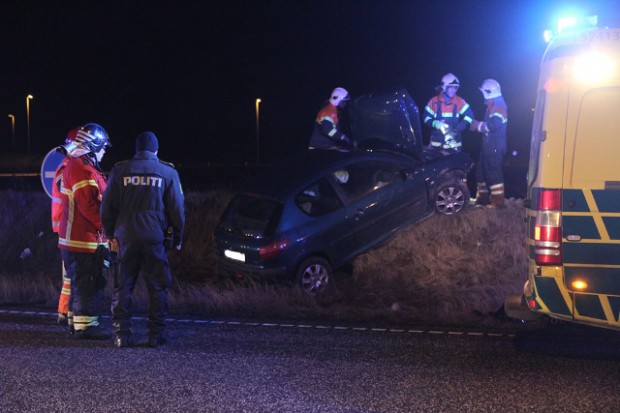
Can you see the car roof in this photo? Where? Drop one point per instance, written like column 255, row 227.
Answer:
column 302, row 170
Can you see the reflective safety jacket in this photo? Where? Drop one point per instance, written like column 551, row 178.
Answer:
column 81, row 190
column 496, row 121
column 143, row 198
column 456, row 113
column 56, row 202
column 326, row 133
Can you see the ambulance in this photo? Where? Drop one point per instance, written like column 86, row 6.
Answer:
column 573, row 196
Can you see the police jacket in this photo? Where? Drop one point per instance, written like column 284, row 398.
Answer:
column 143, row 198
column 326, row 133
column 455, row 112
column 496, row 121
column 81, row 190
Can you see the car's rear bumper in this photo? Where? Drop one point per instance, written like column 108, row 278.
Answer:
column 241, row 269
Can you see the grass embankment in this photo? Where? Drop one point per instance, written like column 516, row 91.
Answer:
column 445, row 269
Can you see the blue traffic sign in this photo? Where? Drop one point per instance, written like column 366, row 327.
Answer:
column 51, row 162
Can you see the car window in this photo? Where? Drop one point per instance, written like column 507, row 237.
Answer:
column 318, row 199
column 359, row 179
column 252, row 216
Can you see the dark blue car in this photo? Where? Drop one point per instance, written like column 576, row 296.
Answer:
column 317, row 212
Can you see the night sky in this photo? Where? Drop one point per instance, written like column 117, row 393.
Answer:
column 191, row 70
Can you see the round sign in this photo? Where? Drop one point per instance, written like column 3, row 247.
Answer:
column 51, row 162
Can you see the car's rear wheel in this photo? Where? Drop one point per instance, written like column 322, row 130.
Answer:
column 451, row 197
column 313, row 275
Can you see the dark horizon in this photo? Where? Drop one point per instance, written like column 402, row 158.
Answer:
column 191, row 71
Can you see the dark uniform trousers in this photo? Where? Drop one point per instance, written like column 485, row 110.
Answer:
column 151, row 260
column 86, row 295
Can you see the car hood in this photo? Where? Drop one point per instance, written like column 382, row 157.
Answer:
column 388, row 119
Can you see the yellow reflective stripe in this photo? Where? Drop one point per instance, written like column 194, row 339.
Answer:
column 78, row 244
column 430, row 111
column 464, row 109
column 82, row 184
column 499, row 115
column 596, row 215
column 468, row 119
column 327, row 118
column 82, row 322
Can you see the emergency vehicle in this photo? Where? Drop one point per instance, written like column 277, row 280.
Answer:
column 573, row 205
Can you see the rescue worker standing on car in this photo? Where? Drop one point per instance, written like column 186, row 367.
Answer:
column 142, row 204
column 326, row 133
column 447, row 115
column 80, row 231
column 489, row 175
column 65, row 315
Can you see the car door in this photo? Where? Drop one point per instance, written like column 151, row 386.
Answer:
column 381, row 197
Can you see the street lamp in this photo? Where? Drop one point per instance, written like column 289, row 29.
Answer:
column 257, row 130
column 12, row 128
column 28, row 99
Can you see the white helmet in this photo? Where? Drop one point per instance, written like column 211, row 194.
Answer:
column 449, row 80
column 490, row 89
column 339, row 95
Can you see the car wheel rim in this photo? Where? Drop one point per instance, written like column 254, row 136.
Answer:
column 314, row 279
column 450, row 200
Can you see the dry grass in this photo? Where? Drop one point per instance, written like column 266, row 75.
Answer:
column 445, row 269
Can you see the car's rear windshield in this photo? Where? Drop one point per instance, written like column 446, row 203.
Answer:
column 251, row 216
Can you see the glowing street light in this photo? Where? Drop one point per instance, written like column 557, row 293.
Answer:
column 12, row 117
column 257, row 130
column 28, row 99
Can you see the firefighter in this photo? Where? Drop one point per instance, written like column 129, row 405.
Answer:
column 489, row 176
column 65, row 315
column 447, row 115
column 326, row 133
column 141, row 205
column 80, row 231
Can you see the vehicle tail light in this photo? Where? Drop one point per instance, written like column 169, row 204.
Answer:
column 548, row 230
column 272, row 250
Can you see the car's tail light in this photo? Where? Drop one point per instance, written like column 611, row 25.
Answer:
column 548, row 230
column 271, row 250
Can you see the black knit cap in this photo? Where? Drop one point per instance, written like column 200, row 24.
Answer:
column 147, row 141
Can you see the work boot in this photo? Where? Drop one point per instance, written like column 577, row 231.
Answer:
column 121, row 341
column 482, row 195
column 70, row 323
column 156, row 340
column 92, row 333
column 497, row 201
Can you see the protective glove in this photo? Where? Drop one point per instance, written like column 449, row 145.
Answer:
column 479, row 127
column 440, row 126
column 474, row 125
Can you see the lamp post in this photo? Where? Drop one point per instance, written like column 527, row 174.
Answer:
column 257, row 130
column 28, row 99
column 12, row 117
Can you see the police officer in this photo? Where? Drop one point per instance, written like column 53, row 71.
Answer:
column 143, row 201
column 447, row 115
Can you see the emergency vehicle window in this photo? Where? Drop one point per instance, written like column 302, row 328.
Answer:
column 537, row 134
column 597, row 139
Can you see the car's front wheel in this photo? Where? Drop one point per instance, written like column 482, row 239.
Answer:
column 313, row 275
column 451, row 197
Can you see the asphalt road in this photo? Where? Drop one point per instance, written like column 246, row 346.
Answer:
column 254, row 366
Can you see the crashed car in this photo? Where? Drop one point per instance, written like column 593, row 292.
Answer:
column 315, row 213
